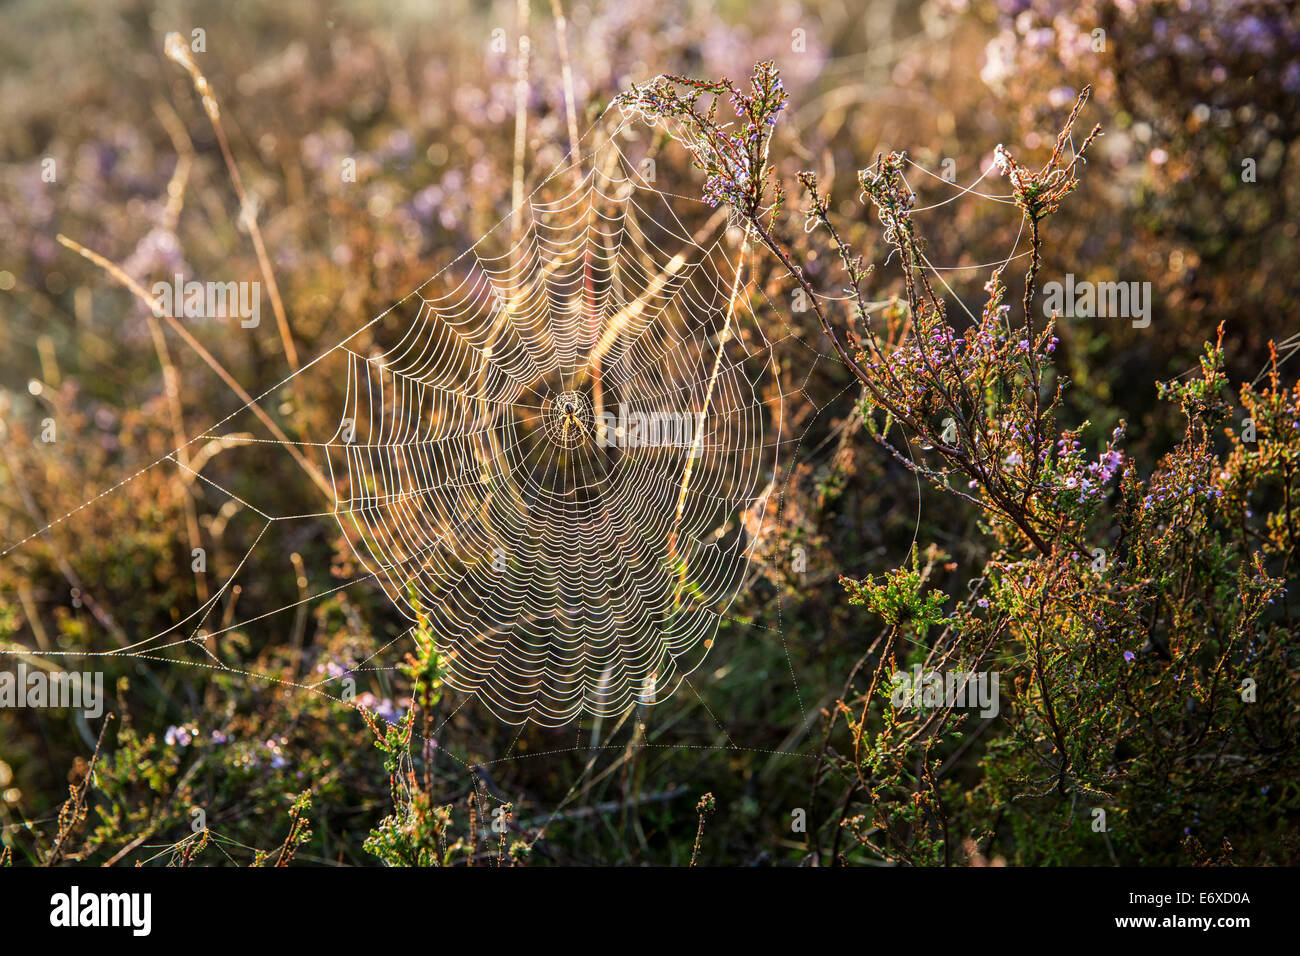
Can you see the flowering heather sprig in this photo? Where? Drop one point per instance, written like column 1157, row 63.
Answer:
column 1080, row 483
column 1040, row 194
column 963, row 393
column 732, row 154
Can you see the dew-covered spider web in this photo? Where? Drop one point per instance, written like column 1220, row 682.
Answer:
column 550, row 455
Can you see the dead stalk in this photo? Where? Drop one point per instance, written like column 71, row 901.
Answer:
column 138, row 291
column 178, row 51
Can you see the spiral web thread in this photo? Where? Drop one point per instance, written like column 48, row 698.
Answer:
column 565, row 561
column 553, row 454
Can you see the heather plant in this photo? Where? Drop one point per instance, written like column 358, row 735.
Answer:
column 1138, row 622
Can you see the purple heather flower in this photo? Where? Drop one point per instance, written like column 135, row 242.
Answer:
column 335, row 670
column 1291, row 77
column 384, row 708
column 277, row 755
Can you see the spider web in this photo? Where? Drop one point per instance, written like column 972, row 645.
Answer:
column 547, row 452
